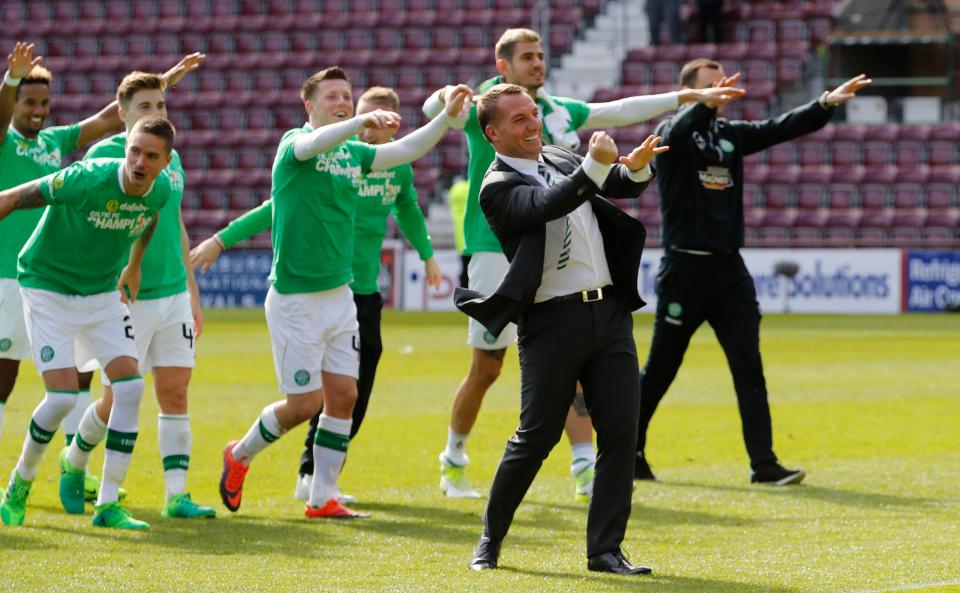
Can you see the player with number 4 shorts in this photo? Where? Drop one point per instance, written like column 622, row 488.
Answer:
column 166, row 321
column 75, row 279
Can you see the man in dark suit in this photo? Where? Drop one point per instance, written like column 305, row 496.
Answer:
column 571, row 286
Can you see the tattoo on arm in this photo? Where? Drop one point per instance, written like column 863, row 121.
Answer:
column 148, row 232
column 30, row 197
column 580, row 405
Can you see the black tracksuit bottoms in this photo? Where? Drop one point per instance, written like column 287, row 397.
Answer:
column 717, row 289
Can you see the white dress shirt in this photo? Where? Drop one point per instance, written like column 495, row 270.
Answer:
column 574, row 258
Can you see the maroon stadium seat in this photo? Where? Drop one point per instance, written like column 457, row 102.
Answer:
column 876, row 153
column 942, row 153
column 874, row 196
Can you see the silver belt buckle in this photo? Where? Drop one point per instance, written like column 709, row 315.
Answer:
column 586, row 296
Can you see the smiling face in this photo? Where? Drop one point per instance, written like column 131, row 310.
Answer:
column 31, row 109
column 143, row 103
column 147, row 156
column 331, row 102
column 526, row 67
column 515, row 129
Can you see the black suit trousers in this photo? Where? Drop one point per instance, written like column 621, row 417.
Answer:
column 717, row 289
column 560, row 343
column 369, row 310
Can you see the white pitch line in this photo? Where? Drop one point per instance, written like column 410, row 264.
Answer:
column 909, row 587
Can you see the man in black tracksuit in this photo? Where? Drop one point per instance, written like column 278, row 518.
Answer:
column 702, row 276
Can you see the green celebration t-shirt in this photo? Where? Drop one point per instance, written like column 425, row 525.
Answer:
column 381, row 193
column 314, row 205
column 163, row 271
column 23, row 160
column 84, row 236
column 476, row 232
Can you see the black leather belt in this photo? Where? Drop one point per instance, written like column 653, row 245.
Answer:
column 584, row 296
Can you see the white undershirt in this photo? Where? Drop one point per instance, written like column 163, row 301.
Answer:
column 579, row 263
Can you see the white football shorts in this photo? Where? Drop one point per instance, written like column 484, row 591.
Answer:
column 485, row 271
column 310, row 333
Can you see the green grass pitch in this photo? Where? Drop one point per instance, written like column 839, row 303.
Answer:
column 869, row 406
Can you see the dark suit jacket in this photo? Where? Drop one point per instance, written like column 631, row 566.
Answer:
column 518, row 208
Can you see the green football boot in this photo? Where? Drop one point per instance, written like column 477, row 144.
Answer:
column 111, row 514
column 180, row 506
column 71, row 485
column 91, row 487
column 14, row 506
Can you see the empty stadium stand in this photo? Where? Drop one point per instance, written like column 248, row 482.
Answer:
column 847, row 185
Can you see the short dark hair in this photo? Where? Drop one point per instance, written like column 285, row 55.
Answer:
column 37, row 75
column 487, row 107
column 331, row 73
column 135, row 82
column 382, row 96
column 689, row 71
column 159, row 127
column 507, row 44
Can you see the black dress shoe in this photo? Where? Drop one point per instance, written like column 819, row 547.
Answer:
column 486, row 555
column 775, row 474
column 641, row 469
column 616, row 563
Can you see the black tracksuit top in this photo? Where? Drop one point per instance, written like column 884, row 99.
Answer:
column 701, row 178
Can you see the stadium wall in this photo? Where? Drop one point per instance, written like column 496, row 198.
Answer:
column 847, row 281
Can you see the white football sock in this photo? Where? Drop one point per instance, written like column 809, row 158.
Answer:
column 456, row 450
column 72, row 422
column 121, row 436
column 43, row 425
column 265, row 430
column 583, row 457
column 90, row 433
column 176, row 440
column 329, row 452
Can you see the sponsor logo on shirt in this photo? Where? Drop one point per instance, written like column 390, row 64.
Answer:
column 39, row 154
column 716, row 178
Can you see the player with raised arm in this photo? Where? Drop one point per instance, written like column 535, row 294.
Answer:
column 381, row 193
column 70, row 273
column 29, row 151
column 166, row 319
column 520, row 61
column 310, row 309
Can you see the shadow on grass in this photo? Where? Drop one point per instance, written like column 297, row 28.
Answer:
column 18, row 538
column 823, row 494
column 660, row 516
column 654, row 582
column 250, row 536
